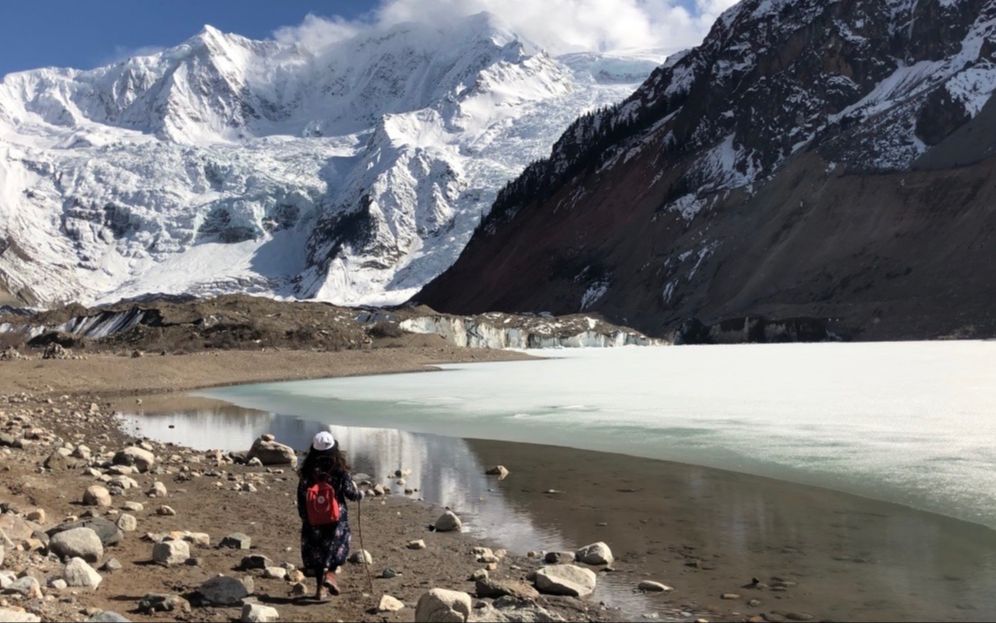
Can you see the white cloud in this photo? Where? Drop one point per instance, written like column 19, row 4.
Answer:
column 559, row 26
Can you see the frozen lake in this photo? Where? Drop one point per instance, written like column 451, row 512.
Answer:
column 911, row 423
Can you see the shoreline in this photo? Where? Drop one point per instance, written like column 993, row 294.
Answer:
column 834, row 543
column 680, row 524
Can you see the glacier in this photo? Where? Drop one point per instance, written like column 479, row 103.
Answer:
column 353, row 174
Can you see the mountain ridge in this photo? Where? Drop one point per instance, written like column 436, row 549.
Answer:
column 351, row 173
column 649, row 210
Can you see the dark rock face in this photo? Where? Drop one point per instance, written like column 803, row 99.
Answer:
column 823, row 166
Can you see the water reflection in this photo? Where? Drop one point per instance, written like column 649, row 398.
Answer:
column 443, row 470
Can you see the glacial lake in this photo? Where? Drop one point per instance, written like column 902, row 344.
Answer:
column 903, row 425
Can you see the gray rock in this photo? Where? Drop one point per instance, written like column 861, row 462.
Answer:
column 568, row 580
column 558, row 558
column 361, row 557
column 78, row 574
column 448, row 522
column 271, row 452
column 157, row 490
column 106, row 530
column 96, row 495
column 136, row 457
column 649, row 586
column 489, row 588
column 443, row 606
column 108, row 616
column 170, row 553
column 16, row 529
column 257, row 613
column 16, row 615
column 275, row 573
column 220, row 591
column 595, row 554
column 77, row 543
column 111, row 565
column 511, row 610
column 498, row 470
column 59, row 584
column 3, row 553
column 26, row 587
column 134, row 507
column 236, row 540
column 255, row 561
column 127, row 523
column 416, row 544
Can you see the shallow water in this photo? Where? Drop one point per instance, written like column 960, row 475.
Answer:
column 906, row 423
column 911, row 423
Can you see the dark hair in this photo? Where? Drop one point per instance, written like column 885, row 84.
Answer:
column 331, row 461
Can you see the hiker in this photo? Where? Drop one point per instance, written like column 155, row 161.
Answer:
column 322, row 492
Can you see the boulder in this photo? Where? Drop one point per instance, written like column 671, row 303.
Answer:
column 77, row 573
column 448, row 522
column 133, row 456
column 96, row 495
column 17, row 615
column 595, row 554
column 220, row 591
column 77, row 543
column 390, row 604
column 236, row 540
column 443, row 606
column 498, row 470
column 107, row 530
column 567, row 580
column 170, row 553
column 271, row 452
column 258, row 613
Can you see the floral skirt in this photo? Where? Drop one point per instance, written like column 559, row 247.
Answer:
column 325, row 547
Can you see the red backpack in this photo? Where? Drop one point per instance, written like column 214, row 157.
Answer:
column 323, row 506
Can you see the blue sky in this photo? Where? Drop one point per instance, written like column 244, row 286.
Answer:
column 78, row 33
column 89, row 33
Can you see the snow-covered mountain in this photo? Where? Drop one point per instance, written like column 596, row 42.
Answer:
column 352, row 174
column 827, row 165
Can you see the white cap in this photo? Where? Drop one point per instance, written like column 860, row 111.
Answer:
column 323, row 441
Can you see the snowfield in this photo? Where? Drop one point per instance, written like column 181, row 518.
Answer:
column 352, row 175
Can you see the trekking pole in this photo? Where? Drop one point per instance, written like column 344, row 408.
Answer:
column 359, row 530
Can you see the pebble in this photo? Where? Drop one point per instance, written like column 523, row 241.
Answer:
column 165, row 511
column 170, row 553
column 390, row 604
column 236, row 540
column 258, row 613
column 650, row 586
column 416, row 544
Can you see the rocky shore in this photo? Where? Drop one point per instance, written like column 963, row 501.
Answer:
column 97, row 525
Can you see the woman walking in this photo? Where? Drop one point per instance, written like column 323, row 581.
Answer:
column 322, row 492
